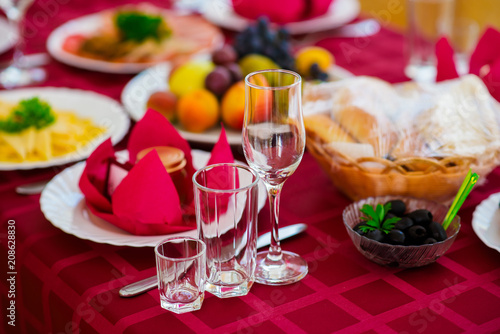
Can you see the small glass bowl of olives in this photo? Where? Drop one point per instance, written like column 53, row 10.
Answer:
column 399, row 231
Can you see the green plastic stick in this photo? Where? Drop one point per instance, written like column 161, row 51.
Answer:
column 457, row 197
column 465, row 189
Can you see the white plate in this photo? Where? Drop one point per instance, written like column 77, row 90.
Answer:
column 221, row 13
column 9, row 35
column 136, row 93
column 63, row 205
column 486, row 221
column 103, row 111
column 86, row 25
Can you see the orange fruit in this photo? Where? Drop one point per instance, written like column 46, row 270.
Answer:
column 198, row 110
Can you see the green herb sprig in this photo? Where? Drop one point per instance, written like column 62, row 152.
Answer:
column 374, row 219
column 137, row 26
column 31, row 112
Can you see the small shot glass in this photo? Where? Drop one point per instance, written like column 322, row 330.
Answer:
column 180, row 265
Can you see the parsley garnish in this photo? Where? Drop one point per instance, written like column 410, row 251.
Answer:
column 28, row 113
column 374, row 219
column 136, row 26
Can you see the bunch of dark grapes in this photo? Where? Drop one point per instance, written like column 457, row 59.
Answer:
column 261, row 39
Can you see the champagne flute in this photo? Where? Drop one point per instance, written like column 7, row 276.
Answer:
column 273, row 144
column 16, row 75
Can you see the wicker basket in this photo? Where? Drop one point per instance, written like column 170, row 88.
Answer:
column 436, row 179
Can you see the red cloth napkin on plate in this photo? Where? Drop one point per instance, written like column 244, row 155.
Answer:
column 484, row 61
column 146, row 201
column 281, row 11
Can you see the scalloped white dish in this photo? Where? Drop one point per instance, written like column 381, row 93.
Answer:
column 136, row 93
column 340, row 12
column 486, row 221
column 64, row 206
column 103, row 111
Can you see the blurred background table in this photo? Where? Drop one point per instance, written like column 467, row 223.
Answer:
column 68, row 285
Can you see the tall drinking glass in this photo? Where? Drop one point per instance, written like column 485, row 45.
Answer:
column 273, row 143
column 17, row 75
column 428, row 20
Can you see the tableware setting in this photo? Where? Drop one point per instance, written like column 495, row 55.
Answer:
column 374, row 168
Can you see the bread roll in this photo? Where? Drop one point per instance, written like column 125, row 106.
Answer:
column 326, row 129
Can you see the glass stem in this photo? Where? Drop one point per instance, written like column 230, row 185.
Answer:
column 274, row 192
column 15, row 17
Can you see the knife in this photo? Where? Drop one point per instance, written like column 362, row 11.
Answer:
column 264, row 240
column 31, row 188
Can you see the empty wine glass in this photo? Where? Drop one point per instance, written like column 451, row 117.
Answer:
column 17, row 75
column 273, row 143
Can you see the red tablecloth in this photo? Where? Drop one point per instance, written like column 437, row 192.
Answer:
column 68, row 285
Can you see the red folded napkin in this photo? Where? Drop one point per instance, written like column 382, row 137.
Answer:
column 146, row 201
column 484, row 61
column 281, row 11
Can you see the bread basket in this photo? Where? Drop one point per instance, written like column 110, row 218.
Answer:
column 435, row 177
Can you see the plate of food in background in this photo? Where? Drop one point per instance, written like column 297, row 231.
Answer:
column 204, row 92
column 298, row 16
column 130, row 38
column 48, row 126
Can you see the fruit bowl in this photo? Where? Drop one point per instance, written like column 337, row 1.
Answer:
column 403, row 256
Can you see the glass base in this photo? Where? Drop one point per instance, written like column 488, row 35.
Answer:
column 182, row 301
column 226, row 291
column 290, row 269
column 13, row 77
column 231, row 283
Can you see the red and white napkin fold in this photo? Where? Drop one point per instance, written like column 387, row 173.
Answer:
column 484, row 61
column 146, row 201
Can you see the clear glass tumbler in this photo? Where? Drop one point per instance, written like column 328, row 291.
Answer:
column 180, row 265
column 428, row 20
column 226, row 202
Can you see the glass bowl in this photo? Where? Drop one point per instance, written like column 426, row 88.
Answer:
column 399, row 255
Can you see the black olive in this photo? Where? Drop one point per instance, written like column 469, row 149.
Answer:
column 403, row 223
column 398, row 207
column 376, row 235
column 396, row 237
column 421, row 217
column 437, row 231
column 429, row 241
column 417, row 233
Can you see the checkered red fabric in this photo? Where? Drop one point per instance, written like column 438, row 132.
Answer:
column 69, row 285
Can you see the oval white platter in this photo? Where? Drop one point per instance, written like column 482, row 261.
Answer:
column 86, row 25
